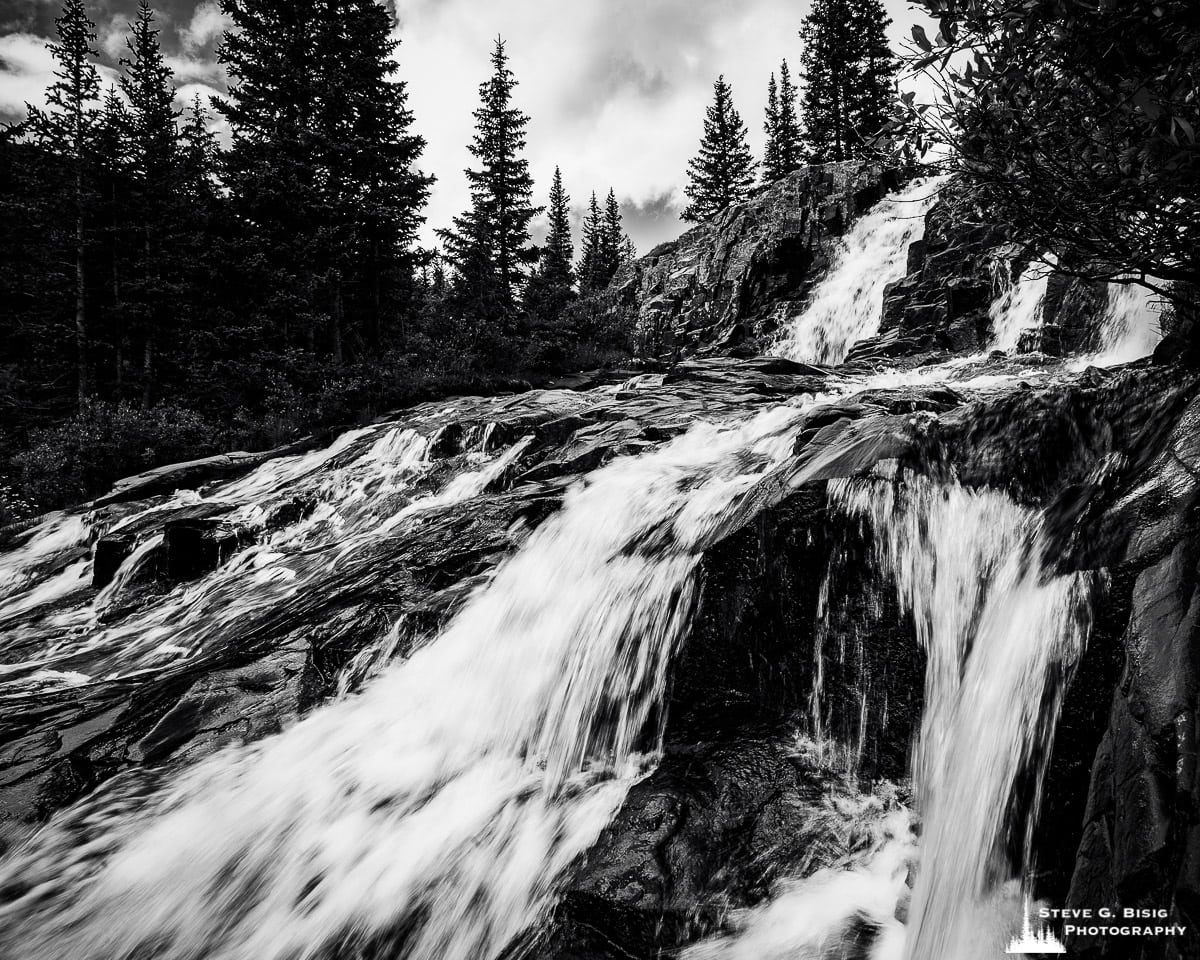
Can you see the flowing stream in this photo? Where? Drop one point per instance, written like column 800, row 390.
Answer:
column 431, row 809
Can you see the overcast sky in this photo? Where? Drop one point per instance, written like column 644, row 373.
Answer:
column 615, row 89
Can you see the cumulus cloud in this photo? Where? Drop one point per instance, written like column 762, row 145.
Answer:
column 204, row 29
column 26, row 69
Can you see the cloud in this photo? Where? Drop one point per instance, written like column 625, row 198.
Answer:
column 205, row 28
column 26, row 69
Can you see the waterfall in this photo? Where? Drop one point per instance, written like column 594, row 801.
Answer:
column 1018, row 309
column 1130, row 327
column 431, row 810
column 847, row 305
column 445, row 799
column 999, row 634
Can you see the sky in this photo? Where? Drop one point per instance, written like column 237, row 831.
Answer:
column 615, row 89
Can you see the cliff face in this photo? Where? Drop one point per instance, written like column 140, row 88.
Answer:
column 719, row 286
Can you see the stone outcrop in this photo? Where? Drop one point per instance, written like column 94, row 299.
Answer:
column 719, row 286
column 955, row 274
column 1140, row 843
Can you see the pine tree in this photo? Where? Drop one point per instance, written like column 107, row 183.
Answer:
column 848, row 71
column 591, row 260
column 490, row 243
column 871, row 107
column 199, row 146
column 784, row 151
column 560, row 249
column 551, row 286
column 610, row 246
column 722, row 173
column 321, row 170
column 156, row 167
column 374, row 193
column 111, row 149
column 67, row 129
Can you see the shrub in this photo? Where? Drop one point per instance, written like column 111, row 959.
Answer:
column 103, row 442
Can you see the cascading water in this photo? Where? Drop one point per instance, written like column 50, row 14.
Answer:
column 1130, row 328
column 430, row 811
column 999, row 634
column 1018, row 309
column 847, row 305
column 447, row 797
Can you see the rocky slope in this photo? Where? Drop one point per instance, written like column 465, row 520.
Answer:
column 738, row 801
column 723, row 284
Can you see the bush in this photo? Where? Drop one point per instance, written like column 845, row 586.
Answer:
column 104, row 442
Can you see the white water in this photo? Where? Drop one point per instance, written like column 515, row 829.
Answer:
column 1019, row 308
column 998, row 634
column 446, row 799
column 812, row 918
column 1130, row 328
column 454, row 790
column 847, row 305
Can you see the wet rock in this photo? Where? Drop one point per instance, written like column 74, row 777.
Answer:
column 110, row 552
column 196, row 547
column 722, row 285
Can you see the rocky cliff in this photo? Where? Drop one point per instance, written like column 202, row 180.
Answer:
column 721, row 286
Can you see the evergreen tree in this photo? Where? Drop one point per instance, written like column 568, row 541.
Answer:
column 848, row 72
column 112, row 155
column 872, row 107
column 628, row 250
column 722, row 173
column 321, row 170
column 784, row 151
column 613, row 235
column 66, row 129
column 374, row 193
column 560, row 249
column 156, row 167
column 490, row 243
column 199, row 146
column 591, row 261
column 550, row 287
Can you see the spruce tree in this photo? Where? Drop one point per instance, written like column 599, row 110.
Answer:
column 551, row 286
column 490, row 243
column 722, row 173
column 321, row 170
column 591, row 260
column 157, row 198
column 876, row 87
column 111, row 148
column 613, row 235
column 66, row 129
column 199, row 146
column 784, row 151
column 560, row 249
column 848, row 71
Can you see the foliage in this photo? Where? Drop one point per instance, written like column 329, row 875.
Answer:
column 848, row 72
column 784, row 151
column 1076, row 120
column 106, row 441
column 551, row 287
column 490, row 244
column 722, row 173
